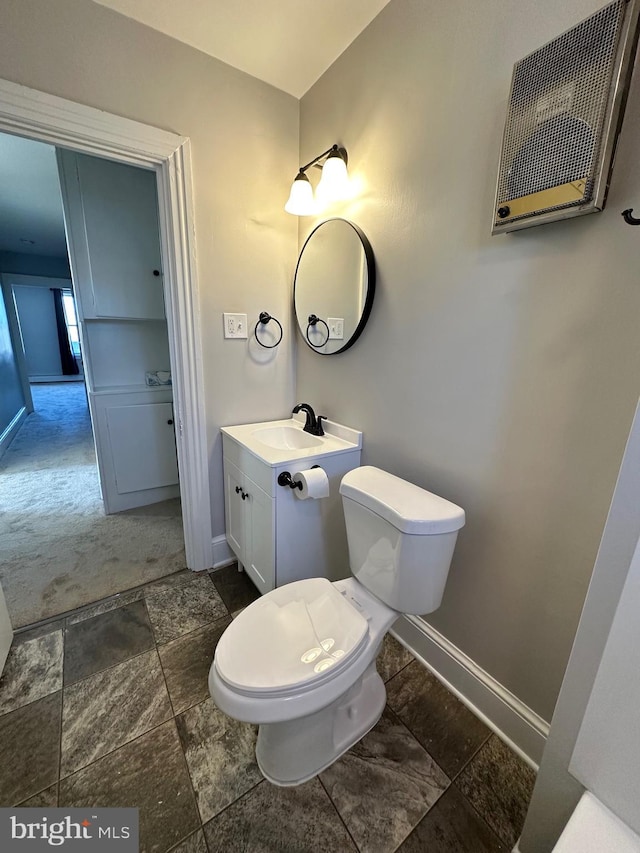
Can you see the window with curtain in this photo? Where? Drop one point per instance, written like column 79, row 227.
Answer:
column 72, row 321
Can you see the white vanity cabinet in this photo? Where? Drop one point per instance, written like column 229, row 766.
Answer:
column 277, row 537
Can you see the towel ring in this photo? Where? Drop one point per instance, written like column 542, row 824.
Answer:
column 264, row 319
column 628, row 218
column 313, row 320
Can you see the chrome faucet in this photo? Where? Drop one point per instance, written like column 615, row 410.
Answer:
column 313, row 424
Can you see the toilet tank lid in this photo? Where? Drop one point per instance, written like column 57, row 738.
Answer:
column 404, row 505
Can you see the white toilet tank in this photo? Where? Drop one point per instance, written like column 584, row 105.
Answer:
column 401, row 538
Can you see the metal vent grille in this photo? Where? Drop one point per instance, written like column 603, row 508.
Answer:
column 562, row 100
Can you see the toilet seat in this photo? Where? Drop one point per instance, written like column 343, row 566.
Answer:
column 295, row 703
column 293, row 639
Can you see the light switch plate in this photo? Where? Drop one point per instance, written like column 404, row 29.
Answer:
column 235, row 325
column 336, row 328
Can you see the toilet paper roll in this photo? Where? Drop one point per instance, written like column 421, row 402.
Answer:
column 315, row 484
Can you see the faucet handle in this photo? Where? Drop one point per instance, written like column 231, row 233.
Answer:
column 319, row 419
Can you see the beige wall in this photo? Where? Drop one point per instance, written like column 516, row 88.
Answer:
column 503, row 370
column 244, row 137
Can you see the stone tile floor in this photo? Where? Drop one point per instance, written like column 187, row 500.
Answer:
column 109, row 706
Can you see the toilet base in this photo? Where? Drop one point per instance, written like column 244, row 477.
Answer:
column 295, row 751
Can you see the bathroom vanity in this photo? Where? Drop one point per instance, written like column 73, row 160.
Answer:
column 276, row 536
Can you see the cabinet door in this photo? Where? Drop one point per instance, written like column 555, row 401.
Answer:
column 261, row 558
column 143, row 447
column 250, row 525
column 237, row 516
column 111, row 217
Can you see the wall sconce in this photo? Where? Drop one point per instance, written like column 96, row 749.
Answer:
column 333, row 186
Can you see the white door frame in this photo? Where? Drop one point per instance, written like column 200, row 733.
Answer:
column 6, row 631
column 36, row 115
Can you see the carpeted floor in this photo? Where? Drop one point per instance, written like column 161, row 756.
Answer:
column 59, row 550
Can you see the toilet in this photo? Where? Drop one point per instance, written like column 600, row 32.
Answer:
column 301, row 661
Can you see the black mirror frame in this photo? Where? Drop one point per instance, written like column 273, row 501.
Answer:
column 371, row 285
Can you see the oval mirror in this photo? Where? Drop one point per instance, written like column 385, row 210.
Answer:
column 333, row 286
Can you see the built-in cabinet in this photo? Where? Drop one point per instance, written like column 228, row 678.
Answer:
column 136, row 447
column 113, row 208
column 277, row 537
column 111, row 221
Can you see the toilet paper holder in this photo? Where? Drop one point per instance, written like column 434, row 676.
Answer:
column 285, row 479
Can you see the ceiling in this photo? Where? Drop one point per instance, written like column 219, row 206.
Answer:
column 30, row 203
column 288, row 43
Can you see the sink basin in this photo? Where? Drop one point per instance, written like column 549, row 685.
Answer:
column 284, row 442
column 286, row 438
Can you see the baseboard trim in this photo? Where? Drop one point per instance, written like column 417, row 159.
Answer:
column 222, row 553
column 513, row 721
column 48, row 380
column 10, row 432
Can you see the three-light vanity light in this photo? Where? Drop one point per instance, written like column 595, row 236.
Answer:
column 333, row 186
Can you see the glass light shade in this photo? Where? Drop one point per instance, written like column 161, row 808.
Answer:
column 334, row 183
column 301, row 202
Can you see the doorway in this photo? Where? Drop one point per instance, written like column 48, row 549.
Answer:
column 48, row 327
column 38, row 116
column 61, row 551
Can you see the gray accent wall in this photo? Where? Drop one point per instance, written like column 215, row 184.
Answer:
column 499, row 372
column 244, row 146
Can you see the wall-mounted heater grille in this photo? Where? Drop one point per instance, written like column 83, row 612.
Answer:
column 563, row 118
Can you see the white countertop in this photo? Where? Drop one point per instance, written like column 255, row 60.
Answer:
column 337, row 439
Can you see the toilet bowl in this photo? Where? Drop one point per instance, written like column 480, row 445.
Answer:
column 300, row 661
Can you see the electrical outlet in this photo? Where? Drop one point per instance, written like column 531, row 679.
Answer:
column 336, row 328
column 235, row 325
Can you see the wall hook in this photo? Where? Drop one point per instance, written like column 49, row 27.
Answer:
column 628, row 218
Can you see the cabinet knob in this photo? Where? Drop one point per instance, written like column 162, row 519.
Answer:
column 238, row 490
column 156, row 272
column 170, row 421
column 245, row 495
